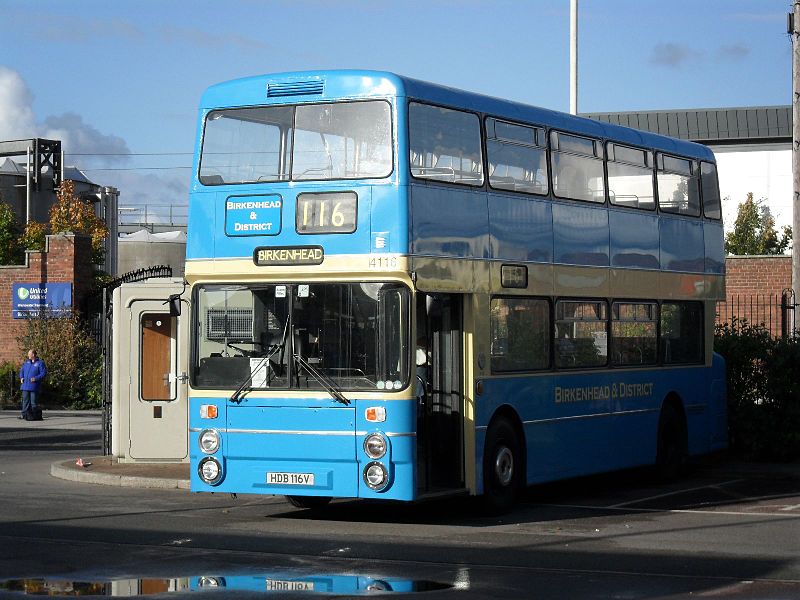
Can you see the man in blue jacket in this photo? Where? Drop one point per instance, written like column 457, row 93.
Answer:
column 31, row 375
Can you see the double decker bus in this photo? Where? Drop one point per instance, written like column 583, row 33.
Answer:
column 401, row 290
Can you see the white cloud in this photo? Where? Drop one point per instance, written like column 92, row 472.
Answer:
column 78, row 137
column 18, row 121
column 16, row 115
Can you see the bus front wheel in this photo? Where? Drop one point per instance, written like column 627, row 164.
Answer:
column 309, row 502
column 502, row 467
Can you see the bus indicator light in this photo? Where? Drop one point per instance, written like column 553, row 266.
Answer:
column 208, row 411
column 376, row 414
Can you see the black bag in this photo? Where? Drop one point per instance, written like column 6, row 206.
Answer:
column 34, row 414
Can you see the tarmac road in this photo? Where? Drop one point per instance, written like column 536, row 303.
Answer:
column 730, row 531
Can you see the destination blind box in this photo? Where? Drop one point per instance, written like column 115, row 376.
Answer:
column 288, row 255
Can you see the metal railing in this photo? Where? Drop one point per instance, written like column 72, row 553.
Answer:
column 775, row 312
column 157, row 214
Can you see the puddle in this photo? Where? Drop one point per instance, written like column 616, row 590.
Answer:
column 267, row 583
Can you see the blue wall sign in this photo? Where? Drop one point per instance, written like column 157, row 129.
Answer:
column 253, row 215
column 29, row 299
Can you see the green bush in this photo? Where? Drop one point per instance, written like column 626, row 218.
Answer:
column 763, row 391
column 73, row 359
column 9, row 385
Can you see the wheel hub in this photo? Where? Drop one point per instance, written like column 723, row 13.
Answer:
column 504, row 466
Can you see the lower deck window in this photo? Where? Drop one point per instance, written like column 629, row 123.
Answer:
column 681, row 332
column 520, row 329
column 634, row 333
column 581, row 334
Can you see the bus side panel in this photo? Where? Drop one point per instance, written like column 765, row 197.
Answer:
column 634, row 240
column 583, row 423
column 580, row 235
column 521, row 228
column 449, row 222
column 682, row 246
column 714, row 239
column 719, row 399
column 564, row 437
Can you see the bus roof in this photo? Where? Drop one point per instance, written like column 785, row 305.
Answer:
column 323, row 86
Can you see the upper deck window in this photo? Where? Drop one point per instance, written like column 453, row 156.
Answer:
column 445, row 145
column 678, row 189
column 577, row 167
column 710, row 186
column 352, row 140
column 630, row 177
column 517, row 157
column 347, row 140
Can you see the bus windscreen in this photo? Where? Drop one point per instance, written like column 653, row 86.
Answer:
column 346, row 140
column 264, row 336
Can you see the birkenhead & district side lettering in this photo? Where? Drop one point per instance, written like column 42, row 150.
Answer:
column 565, row 395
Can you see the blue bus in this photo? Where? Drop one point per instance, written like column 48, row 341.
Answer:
column 401, row 290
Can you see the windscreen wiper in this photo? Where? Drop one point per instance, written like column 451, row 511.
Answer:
column 235, row 397
column 324, row 380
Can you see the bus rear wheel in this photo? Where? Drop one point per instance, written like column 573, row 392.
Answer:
column 309, row 502
column 672, row 452
column 502, row 467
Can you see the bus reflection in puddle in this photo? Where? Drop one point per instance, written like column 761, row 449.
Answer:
column 279, row 582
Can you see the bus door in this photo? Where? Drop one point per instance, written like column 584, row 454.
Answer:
column 157, row 422
column 440, row 405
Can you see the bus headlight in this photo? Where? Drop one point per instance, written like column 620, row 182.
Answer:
column 210, row 470
column 209, row 441
column 375, row 446
column 375, row 476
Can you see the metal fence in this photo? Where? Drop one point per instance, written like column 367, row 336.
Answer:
column 154, row 214
column 775, row 312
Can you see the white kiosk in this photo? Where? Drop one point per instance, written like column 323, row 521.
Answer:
column 149, row 412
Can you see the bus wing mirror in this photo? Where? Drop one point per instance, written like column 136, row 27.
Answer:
column 174, row 302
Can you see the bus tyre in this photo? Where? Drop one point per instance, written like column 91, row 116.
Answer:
column 672, row 450
column 309, row 502
column 502, row 468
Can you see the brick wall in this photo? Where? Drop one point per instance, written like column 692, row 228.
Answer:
column 757, row 274
column 66, row 259
column 753, row 288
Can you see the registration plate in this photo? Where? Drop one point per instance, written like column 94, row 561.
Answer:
column 274, row 478
column 278, row 585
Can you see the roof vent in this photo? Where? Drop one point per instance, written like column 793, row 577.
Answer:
column 295, row 88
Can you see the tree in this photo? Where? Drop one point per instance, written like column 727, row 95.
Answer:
column 74, row 360
column 10, row 252
column 70, row 213
column 754, row 231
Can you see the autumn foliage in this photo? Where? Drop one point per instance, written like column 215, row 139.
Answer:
column 69, row 213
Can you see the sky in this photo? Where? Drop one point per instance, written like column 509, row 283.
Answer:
column 119, row 82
